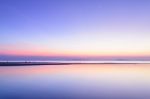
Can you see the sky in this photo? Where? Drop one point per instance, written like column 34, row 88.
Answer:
column 74, row 28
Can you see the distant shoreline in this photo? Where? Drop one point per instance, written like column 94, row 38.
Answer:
column 30, row 63
column 57, row 63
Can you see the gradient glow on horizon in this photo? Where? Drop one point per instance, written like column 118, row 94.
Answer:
column 75, row 27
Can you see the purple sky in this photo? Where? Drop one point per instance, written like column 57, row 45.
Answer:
column 74, row 28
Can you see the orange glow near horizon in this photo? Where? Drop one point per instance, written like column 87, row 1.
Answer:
column 75, row 53
column 78, row 51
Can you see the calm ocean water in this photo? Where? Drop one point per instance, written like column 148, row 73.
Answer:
column 87, row 81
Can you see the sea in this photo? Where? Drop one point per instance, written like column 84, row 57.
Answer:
column 104, row 80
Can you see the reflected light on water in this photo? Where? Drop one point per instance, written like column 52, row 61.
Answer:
column 77, row 81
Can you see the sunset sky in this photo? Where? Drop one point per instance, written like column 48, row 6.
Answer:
column 74, row 28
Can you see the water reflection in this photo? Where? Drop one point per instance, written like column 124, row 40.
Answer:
column 105, row 81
